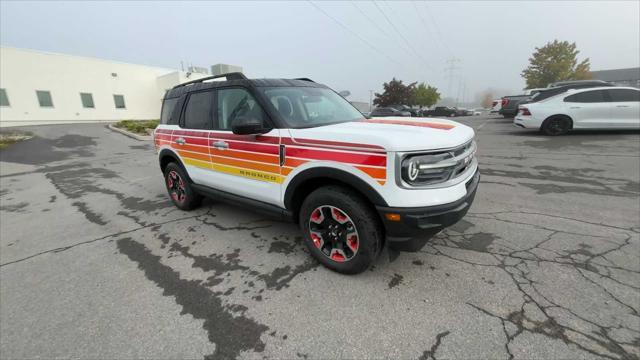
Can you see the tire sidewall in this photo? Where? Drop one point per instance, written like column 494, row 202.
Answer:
column 547, row 123
column 369, row 234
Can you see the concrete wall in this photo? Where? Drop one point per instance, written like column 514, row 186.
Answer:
column 22, row 72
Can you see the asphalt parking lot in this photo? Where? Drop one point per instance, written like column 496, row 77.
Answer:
column 96, row 263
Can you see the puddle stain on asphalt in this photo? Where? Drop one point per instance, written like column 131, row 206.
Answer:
column 230, row 333
column 40, row 151
column 395, row 281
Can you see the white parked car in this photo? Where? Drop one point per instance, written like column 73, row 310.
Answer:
column 589, row 108
column 496, row 105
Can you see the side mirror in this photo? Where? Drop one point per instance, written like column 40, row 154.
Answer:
column 245, row 125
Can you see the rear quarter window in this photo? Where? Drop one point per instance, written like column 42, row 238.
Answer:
column 624, row 95
column 595, row 96
column 167, row 111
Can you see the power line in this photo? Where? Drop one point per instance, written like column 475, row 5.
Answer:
column 401, row 36
column 354, row 34
column 422, row 20
column 354, row 3
column 435, row 25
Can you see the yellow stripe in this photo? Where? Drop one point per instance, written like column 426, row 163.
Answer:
column 247, row 173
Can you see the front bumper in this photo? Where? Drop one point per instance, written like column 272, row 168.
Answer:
column 416, row 221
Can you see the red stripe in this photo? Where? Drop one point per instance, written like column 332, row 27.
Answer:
column 249, row 138
column 259, row 148
column 163, row 137
column 163, row 131
column 191, row 133
column 313, row 142
column 361, row 159
column 196, row 141
column 411, row 123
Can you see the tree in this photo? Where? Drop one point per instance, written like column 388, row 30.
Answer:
column 395, row 92
column 487, row 99
column 426, row 95
column 556, row 61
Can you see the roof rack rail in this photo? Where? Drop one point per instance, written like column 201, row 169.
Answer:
column 304, row 79
column 229, row 76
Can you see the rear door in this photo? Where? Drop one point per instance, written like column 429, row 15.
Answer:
column 191, row 140
column 589, row 109
column 244, row 165
column 625, row 108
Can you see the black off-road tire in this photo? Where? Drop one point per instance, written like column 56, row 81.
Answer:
column 179, row 187
column 556, row 125
column 359, row 212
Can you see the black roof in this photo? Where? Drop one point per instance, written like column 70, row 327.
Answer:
column 237, row 79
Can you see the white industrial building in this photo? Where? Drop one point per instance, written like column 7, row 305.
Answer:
column 46, row 88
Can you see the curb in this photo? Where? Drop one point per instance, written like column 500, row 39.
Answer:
column 130, row 134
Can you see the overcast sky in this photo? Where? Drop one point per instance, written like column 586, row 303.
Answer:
column 376, row 41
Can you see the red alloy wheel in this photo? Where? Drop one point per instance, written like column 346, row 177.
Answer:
column 333, row 233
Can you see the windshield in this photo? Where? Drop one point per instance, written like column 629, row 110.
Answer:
column 304, row 107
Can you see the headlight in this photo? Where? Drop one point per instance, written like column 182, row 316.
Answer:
column 429, row 169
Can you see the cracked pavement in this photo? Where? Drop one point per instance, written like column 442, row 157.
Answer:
column 96, row 263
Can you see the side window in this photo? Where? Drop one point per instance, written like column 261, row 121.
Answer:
column 624, row 95
column 167, row 110
column 199, row 111
column 118, row 100
column 44, row 98
column 4, row 99
column 87, row 100
column 233, row 103
column 596, row 96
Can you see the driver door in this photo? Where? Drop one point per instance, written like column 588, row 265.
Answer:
column 244, row 165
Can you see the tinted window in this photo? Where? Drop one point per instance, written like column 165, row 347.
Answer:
column 620, row 95
column 233, row 103
column 199, row 111
column 119, row 101
column 87, row 100
column 167, row 111
column 4, row 100
column 594, row 96
column 44, row 98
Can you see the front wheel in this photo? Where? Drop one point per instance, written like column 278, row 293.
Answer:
column 556, row 126
column 340, row 229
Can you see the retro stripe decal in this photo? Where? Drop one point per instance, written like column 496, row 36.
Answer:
column 256, row 157
column 433, row 125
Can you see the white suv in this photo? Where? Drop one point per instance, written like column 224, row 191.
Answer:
column 299, row 150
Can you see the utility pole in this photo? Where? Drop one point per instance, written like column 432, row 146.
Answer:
column 370, row 100
column 450, row 69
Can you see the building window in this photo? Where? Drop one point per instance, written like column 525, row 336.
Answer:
column 87, row 100
column 119, row 101
column 4, row 100
column 44, row 98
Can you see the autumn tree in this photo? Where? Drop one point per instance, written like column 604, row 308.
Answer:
column 556, row 61
column 426, row 95
column 487, row 99
column 395, row 92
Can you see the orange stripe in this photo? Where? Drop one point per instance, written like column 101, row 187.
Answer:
column 374, row 173
column 200, row 149
column 202, row 157
column 247, row 165
column 286, row 171
column 271, row 159
column 294, row 162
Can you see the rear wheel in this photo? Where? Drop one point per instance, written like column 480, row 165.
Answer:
column 340, row 229
column 179, row 188
column 558, row 125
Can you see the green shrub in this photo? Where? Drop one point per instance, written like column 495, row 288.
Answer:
column 138, row 126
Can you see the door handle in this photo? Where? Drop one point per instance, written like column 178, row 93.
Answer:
column 180, row 141
column 576, row 107
column 220, row 145
column 622, row 106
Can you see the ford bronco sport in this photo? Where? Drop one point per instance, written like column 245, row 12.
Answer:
column 297, row 149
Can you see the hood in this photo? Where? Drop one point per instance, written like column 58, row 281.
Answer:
column 390, row 133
